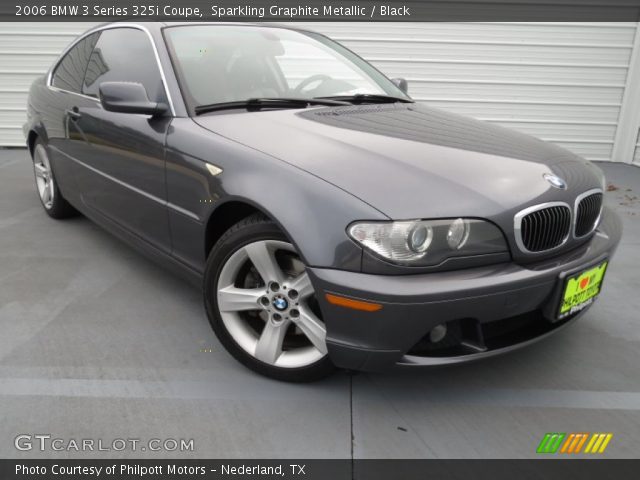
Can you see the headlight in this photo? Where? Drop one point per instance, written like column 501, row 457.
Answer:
column 428, row 242
column 458, row 234
column 420, row 238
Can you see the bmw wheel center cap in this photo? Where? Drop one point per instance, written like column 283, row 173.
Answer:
column 280, row 303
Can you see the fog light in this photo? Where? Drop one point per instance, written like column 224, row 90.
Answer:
column 437, row 333
column 458, row 234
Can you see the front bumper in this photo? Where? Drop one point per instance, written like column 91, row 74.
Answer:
column 488, row 310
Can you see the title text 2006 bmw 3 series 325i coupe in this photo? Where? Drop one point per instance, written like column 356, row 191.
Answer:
column 330, row 219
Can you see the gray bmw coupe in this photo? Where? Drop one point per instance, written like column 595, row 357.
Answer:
column 330, row 220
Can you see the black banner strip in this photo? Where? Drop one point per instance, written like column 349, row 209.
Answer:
column 543, row 469
column 319, row 11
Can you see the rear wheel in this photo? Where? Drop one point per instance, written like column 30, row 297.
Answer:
column 262, row 306
column 52, row 200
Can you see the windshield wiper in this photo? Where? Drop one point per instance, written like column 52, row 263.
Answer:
column 254, row 104
column 359, row 98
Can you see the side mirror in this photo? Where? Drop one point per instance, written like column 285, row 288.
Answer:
column 128, row 97
column 402, row 84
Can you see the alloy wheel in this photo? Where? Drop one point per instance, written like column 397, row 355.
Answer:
column 267, row 303
column 44, row 178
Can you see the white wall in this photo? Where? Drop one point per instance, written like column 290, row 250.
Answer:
column 564, row 83
column 26, row 51
column 561, row 82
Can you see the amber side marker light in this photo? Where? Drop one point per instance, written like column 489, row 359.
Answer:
column 353, row 304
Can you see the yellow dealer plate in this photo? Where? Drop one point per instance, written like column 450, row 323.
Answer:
column 580, row 290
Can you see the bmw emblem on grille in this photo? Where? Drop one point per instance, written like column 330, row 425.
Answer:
column 555, row 181
column 280, row 303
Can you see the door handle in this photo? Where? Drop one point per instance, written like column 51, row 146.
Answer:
column 74, row 113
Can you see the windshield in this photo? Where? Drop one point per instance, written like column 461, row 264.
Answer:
column 226, row 63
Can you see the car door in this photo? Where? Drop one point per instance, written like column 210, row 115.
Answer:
column 123, row 157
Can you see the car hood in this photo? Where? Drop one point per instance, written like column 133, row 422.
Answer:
column 410, row 160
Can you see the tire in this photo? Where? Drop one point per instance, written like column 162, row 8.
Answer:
column 261, row 304
column 46, row 185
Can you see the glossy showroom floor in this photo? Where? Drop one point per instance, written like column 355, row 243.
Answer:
column 98, row 342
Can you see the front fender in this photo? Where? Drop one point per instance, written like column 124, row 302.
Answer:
column 312, row 212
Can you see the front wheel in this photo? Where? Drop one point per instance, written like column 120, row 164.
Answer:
column 262, row 306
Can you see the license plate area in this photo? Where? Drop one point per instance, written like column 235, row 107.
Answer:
column 579, row 290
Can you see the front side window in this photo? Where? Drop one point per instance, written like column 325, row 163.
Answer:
column 223, row 63
column 124, row 55
column 69, row 73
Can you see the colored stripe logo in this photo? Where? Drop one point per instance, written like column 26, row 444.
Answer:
column 550, row 442
column 556, row 442
column 598, row 443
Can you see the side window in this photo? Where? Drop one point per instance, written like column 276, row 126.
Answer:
column 124, row 55
column 70, row 71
